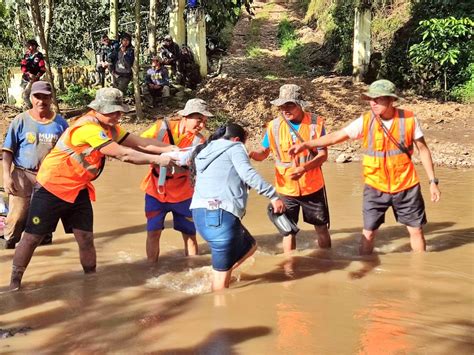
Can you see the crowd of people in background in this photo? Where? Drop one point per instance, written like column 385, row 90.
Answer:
column 49, row 166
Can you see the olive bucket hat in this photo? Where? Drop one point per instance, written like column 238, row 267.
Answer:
column 195, row 106
column 108, row 100
column 289, row 93
column 380, row 88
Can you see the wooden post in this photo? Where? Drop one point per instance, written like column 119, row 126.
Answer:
column 152, row 28
column 113, row 19
column 196, row 31
column 177, row 24
column 361, row 51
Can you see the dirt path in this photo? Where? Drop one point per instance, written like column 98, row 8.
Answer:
column 255, row 68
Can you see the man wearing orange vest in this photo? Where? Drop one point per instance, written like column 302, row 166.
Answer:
column 298, row 180
column 389, row 135
column 65, row 189
column 175, row 191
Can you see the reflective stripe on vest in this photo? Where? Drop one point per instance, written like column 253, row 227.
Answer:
column 80, row 157
column 370, row 151
column 276, row 137
column 164, row 129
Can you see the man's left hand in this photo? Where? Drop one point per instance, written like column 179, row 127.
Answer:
column 297, row 173
column 435, row 192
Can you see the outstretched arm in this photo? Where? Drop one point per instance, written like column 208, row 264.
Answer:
column 133, row 156
column 147, row 145
column 427, row 161
column 324, row 141
column 259, row 154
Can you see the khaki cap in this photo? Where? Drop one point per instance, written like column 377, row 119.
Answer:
column 195, row 106
column 380, row 88
column 289, row 93
column 108, row 100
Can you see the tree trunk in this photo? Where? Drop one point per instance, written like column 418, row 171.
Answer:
column 31, row 16
column 152, row 28
column 38, row 24
column 113, row 19
column 48, row 19
column 136, row 63
column 19, row 26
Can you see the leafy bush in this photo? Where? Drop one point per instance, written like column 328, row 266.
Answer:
column 77, row 96
column 440, row 61
column 465, row 92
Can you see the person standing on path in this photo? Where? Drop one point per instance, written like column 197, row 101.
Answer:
column 121, row 62
column 223, row 174
column 65, row 191
column 389, row 136
column 299, row 180
column 33, row 67
column 175, row 192
column 30, row 137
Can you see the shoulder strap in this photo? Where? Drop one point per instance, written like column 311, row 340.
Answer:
column 399, row 145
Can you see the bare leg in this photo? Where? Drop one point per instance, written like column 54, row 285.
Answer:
column 417, row 239
column 289, row 243
column 324, row 238
column 220, row 279
column 153, row 245
column 367, row 242
column 87, row 255
column 252, row 250
column 190, row 244
column 22, row 257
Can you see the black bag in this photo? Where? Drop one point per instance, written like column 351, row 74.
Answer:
column 281, row 221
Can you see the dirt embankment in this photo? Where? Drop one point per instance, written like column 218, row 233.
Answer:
column 248, row 83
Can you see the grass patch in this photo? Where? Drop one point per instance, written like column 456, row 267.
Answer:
column 254, row 52
column 77, row 96
column 271, row 77
column 291, row 47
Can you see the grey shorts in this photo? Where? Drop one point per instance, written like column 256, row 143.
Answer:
column 408, row 207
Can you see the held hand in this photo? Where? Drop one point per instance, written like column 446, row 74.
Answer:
column 9, row 185
column 164, row 160
column 435, row 193
column 297, row 148
column 297, row 173
column 278, row 206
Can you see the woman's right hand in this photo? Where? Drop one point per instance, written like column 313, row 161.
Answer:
column 278, row 205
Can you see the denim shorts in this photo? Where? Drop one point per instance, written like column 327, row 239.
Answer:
column 228, row 239
column 156, row 212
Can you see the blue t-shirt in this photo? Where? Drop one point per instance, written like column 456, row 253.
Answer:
column 30, row 140
column 296, row 126
column 157, row 76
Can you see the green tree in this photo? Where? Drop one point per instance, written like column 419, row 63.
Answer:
column 440, row 61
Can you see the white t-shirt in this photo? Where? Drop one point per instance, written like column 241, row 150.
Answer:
column 355, row 129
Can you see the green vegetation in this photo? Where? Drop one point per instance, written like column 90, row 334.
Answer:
column 220, row 119
column 77, row 96
column 291, row 46
column 441, row 60
column 254, row 52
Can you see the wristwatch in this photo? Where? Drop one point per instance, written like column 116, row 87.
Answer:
column 434, row 180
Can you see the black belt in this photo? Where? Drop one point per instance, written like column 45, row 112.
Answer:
column 27, row 170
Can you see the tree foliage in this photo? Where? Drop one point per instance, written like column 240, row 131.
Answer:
column 441, row 59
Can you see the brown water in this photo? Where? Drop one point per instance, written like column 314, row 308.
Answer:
column 315, row 302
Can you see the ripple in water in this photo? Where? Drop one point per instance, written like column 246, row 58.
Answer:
column 192, row 281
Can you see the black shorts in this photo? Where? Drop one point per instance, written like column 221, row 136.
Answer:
column 315, row 209
column 408, row 207
column 46, row 209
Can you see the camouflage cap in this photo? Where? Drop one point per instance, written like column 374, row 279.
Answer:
column 195, row 106
column 108, row 100
column 380, row 88
column 289, row 93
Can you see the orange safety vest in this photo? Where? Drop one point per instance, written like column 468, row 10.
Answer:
column 279, row 135
column 68, row 169
column 178, row 186
column 386, row 167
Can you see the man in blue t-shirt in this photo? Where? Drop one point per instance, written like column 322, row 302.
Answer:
column 157, row 82
column 30, row 137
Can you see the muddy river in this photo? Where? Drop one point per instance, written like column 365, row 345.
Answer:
column 311, row 302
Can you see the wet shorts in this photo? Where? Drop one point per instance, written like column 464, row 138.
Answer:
column 47, row 209
column 314, row 207
column 228, row 239
column 156, row 212
column 408, row 207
